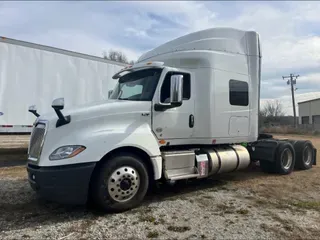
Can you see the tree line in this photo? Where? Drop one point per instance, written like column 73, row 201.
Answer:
column 117, row 56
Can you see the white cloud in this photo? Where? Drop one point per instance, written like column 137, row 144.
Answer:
column 79, row 42
column 283, row 48
column 138, row 33
column 308, row 11
column 312, row 78
column 9, row 15
column 290, row 41
column 290, row 53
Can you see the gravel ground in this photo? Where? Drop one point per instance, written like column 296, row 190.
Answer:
column 241, row 205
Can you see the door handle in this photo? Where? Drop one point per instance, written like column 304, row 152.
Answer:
column 191, row 121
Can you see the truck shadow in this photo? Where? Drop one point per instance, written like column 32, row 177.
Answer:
column 9, row 159
column 183, row 188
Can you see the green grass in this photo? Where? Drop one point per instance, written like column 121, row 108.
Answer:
column 307, row 205
column 178, row 228
column 153, row 234
column 243, row 211
column 147, row 218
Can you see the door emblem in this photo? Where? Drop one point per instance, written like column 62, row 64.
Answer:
column 145, row 114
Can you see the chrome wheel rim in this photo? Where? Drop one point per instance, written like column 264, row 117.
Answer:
column 286, row 159
column 307, row 155
column 123, row 184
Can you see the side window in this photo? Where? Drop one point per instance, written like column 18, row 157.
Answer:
column 128, row 91
column 165, row 89
column 238, row 93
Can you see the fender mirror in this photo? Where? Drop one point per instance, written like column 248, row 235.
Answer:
column 58, row 103
column 33, row 109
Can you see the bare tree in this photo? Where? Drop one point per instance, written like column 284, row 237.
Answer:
column 117, row 56
column 272, row 109
column 271, row 113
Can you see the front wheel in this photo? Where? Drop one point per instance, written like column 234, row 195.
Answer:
column 120, row 184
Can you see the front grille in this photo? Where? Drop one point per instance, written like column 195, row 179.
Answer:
column 36, row 141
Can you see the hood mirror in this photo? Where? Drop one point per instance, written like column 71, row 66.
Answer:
column 33, row 109
column 58, row 105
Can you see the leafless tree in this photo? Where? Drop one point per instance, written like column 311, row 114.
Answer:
column 118, row 56
column 272, row 109
column 271, row 113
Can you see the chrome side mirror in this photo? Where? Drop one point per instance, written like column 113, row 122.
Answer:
column 33, row 109
column 176, row 84
column 58, row 103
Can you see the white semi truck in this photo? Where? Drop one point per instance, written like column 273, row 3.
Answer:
column 187, row 109
column 35, row 74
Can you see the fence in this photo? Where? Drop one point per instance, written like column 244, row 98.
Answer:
column 310, row 127
column 306, row 129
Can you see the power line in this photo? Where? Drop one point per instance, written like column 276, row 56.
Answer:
column 292, row 81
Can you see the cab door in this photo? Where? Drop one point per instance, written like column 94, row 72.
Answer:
column 176, row 122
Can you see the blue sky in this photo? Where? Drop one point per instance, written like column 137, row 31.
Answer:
column 289, row 31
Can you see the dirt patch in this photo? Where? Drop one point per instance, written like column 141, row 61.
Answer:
column 14, row 141
column 13, row 172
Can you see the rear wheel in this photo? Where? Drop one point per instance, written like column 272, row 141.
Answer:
column 304, row 155
column 284, row 160
column 120, row 184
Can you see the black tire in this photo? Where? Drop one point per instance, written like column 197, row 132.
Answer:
column 282, row 164
column 278, row 166
column 304, row 154
column 99, row 185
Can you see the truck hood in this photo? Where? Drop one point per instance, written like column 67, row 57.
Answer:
column 98, row 109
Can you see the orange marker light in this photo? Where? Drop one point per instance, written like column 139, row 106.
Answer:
column 162, row 141
column 76, row 152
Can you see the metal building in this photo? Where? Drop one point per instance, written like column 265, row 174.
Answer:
column 309, row 111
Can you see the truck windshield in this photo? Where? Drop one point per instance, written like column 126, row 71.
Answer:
column 137, row 86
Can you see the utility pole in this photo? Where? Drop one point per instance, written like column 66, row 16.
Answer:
column 292, row 81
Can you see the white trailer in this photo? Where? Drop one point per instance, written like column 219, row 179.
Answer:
column 35, row 74
column 187, row 109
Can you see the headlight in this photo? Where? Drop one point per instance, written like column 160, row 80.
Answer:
column 66, row 152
